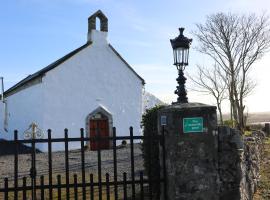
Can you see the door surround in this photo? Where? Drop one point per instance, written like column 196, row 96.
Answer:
column 100, row 110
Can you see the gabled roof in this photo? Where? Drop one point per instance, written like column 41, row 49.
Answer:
column 143, row 82
column 53, row 65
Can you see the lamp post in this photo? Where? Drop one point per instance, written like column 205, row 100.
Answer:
column 180, row 47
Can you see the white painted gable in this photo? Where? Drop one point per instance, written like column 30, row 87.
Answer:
column 96, row 76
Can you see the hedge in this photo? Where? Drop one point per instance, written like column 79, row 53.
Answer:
column 149, row 125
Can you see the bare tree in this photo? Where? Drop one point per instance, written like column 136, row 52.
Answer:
column 210, row 81
column 235, row 42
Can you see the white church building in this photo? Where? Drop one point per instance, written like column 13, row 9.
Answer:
column 92, row 83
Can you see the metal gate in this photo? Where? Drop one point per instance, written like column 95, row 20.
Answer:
column 122, row 178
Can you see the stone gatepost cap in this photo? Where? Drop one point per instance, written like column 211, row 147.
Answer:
column 190, row 106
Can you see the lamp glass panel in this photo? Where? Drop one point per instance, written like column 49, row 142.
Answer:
column 180, row 55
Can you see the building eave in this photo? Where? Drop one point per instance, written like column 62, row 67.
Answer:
column 41, row 72
column 143, row 82
column 36, row 77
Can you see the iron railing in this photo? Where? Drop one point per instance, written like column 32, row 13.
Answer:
column 82, row 184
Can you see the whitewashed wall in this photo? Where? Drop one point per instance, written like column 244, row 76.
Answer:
column 94, row 77
column 24, row 107
column 2, row 119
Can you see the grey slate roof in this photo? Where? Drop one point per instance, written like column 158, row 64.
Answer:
column 57, row 63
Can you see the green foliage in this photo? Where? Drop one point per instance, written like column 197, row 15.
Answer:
column 229, row 122
column 267, row 142
column 247, row 133
column 150, row 148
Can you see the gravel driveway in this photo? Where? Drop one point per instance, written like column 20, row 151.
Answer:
column 58, row 163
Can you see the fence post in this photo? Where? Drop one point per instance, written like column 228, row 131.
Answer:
column 42, row 187
column 67, row 163
column 99, row 139
column 92, row 187
column 115, row 164
column 59, row 186
column 6, row 189
column 75, row 187
column 132, row 161
column 24, row 188
column 83, row 163
column 108, row 186
column 16, row 165
column 50, row 162
column 33, row 172
column 125, row 185
column 267, row 129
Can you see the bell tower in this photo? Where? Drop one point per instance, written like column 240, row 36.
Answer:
column 95, row 34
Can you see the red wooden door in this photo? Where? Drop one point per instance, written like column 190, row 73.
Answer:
column 100, row 126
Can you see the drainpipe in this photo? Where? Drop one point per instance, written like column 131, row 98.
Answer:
column 5, row 116
column 5, row 105
column 2, row 89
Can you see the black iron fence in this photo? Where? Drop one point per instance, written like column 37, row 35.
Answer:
column 67, row 183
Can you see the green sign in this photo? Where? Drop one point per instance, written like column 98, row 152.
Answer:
column 191, row 125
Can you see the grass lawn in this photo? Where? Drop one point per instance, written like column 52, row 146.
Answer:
column 263, row 192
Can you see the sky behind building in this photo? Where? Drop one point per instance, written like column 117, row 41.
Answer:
column 35, row 33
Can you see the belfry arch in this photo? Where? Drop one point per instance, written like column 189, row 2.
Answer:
column 103, row 21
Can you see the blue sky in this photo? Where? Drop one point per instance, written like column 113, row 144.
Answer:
column 34, row 33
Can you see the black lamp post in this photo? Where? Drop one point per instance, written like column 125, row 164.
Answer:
column 180, row 47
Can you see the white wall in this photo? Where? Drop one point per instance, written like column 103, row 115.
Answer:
column 70, row 92
column 2, row 119
column 24, row 107
column 95, row 76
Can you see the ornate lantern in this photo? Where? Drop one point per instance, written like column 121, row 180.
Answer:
column 180, row 47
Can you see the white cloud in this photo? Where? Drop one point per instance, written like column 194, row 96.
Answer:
column 257, row 6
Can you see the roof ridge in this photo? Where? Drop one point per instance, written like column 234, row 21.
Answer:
column 45, row 69
column 57, row 63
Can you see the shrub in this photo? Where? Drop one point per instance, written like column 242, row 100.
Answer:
column 230, row 123
column 149, row 125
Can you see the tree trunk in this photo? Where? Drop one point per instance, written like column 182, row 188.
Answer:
column 220, row 112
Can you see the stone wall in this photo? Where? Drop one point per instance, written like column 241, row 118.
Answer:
column 215, row 163
column 238, row 163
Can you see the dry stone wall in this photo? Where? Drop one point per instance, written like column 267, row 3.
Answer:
column 238, row 163
column 224, row 166
column 215, row 163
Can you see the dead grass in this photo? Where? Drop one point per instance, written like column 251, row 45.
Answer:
column 63, row 190
column 263, row 192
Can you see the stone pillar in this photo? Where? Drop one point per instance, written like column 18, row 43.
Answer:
column 267, row 129
column 191, row 151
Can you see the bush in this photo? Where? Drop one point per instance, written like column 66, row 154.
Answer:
column 150, row 128
column 230, row 123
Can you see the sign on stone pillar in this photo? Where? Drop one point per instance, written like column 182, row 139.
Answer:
column 191, row 151
column 193, row 125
